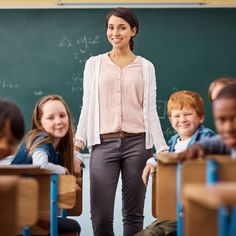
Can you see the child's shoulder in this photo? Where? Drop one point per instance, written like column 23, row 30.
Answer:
column 202, row 132
column 205, row 131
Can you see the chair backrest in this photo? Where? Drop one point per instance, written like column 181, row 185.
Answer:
column 164, row 192
column 77, row 209
column 66, row 193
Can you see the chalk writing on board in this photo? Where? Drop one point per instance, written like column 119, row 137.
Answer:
column 80, row 47
column 4, row 84
column 82, row 42
column 38, row 93
column 161, row 109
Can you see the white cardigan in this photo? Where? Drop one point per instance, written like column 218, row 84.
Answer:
column 88, row 125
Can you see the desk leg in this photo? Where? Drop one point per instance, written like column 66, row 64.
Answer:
column 212, row 172
column 26, row 231
column 63, row 213
column 223, row 221
column 232, row 225
column 53, row 206
column 179, row 204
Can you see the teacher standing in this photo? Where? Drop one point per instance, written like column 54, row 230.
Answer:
column 119, row 124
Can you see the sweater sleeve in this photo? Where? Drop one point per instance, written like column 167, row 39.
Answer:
column 81, row 131
column 40, row 158
column 213, row 145
column 155, row 126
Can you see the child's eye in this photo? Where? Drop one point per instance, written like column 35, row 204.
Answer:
column 110, row 27
column 50, row 118
column 62, row 115
column 220, row 120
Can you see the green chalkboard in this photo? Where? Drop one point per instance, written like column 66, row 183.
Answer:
column 43, row 51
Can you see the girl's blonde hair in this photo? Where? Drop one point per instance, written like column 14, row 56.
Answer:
column 65, row 146
column 220, row 81
column 182, row 99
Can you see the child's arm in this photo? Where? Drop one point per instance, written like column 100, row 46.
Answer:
column 40, row 158
column 148, row 170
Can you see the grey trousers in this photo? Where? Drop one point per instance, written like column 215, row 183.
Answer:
column 127, row 156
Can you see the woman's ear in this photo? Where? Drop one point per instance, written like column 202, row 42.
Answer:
column 134, row 30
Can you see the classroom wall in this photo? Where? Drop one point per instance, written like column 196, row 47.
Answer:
column 43, row 51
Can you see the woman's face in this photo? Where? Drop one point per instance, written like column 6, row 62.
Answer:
column 7, row 141
column 119, row 32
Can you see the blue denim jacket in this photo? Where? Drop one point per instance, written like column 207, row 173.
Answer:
column 22, row 156
column 199, row 134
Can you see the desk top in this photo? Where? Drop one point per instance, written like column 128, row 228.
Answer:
column 23, row 169
column 212, row 196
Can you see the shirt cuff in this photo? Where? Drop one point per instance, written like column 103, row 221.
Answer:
column 152, row 161
column 79, row 143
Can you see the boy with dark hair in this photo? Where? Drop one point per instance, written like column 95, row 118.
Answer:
column 12, row 129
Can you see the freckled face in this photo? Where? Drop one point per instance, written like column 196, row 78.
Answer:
column 55, row 120
column 119, row 32
column 185, row 121
column 224, row 111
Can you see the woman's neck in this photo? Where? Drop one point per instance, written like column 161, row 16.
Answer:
column 120, row 53
column 121, row 58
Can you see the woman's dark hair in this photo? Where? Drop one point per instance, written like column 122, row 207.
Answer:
column 127, row 15
column 10, row 112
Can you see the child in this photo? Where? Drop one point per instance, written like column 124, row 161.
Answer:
column 224, row 111
column 50, row 144
column 50, row 141
column 218, row 84
column 186, row 114
column 11, row 129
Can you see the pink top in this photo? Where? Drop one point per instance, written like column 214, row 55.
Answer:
column 121, row 92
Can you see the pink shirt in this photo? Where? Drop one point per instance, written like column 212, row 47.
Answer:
column 121, row 92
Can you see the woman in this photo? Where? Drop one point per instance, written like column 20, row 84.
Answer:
column 119, row 124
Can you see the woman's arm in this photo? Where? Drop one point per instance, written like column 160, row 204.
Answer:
column 81, row 132
column 154, row 122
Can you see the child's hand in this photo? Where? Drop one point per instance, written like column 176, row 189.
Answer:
column 66, row 171
column 77, row 167
column 148, row 170
column 77, row 188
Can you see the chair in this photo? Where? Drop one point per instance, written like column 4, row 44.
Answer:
column 18, row 203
